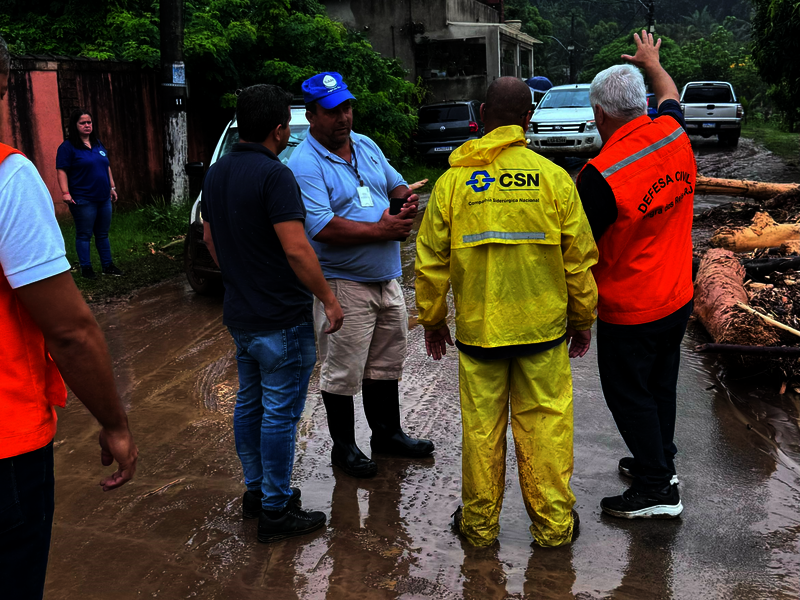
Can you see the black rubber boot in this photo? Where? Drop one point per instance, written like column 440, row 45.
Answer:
column 341, row 423
column 382, row 408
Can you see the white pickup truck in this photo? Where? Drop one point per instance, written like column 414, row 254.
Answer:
column 710, row 108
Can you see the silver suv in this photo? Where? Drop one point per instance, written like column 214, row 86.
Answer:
column 563, row 123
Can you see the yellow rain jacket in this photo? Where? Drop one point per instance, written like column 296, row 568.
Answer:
column 507, row 228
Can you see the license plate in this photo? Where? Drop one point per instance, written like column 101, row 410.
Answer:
column 709, row 125
column 556, row 140
column 443, row 149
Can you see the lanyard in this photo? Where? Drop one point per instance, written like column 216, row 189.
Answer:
column 354, row 164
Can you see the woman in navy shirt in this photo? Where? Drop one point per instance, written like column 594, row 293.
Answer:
column 88, row 190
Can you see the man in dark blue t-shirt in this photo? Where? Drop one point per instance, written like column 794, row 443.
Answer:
column 253, row 220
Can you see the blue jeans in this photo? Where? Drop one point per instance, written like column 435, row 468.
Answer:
column 26, row 521
column 92, row 218
column 274, row 369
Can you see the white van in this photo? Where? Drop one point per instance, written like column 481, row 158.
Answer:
column 201, row 270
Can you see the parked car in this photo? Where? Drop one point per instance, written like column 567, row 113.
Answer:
column 563, row 123
column 710, row 108
column 444, row 126
column 201, row 270
column 652, row 106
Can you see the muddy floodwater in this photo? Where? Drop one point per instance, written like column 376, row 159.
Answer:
column 176, row 531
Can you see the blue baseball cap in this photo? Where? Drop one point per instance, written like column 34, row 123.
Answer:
column 327, row 89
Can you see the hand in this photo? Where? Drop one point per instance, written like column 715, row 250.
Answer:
column 410, row 207
column 118, row 445
column 67, row 199
column 113, row 195
column 646, row 51
column 397, row 227
column 417, row 184
column 579, row 342
column 436, row 342
column 335, row 316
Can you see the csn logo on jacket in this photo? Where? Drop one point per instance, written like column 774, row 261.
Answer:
column 517, row 179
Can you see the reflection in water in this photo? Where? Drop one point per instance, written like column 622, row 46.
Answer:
column 649, row 570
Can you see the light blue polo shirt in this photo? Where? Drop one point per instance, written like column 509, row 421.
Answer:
column 329, row 187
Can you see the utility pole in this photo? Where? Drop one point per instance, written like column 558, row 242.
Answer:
column 173, row 101
column 571, row 49
column 651, row 9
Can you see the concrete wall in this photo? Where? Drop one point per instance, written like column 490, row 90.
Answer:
column 457, row 88
column 124, row 102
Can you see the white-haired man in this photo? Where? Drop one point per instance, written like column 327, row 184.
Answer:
column 638, row 195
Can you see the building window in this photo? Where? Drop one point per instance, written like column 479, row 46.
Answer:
column 508, row 68
column 525, row 63
column 451, row 58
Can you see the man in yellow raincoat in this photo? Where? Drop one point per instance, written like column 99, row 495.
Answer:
column 506, row 228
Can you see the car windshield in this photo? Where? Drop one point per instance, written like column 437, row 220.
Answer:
column 443, row 114
column 571, row 98
column 298, row 132
column 716, row 94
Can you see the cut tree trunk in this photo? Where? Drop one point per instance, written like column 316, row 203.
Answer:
column 758, row 190
column 759, row 267
column 763, row 232
column 717, row 289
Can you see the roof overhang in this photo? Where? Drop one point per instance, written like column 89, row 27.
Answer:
column 462, row 30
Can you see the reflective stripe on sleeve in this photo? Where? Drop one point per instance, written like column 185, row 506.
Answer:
column 503, row 235
column 642, row 153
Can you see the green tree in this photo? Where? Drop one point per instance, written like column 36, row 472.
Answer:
column 776, row 46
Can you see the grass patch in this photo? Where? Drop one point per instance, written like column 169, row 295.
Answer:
column 138, row 239
column 419, row 170
column 784, row 144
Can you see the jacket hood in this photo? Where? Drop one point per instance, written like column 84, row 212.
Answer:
column 484, row 150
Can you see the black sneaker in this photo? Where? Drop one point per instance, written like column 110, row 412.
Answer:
column 112, row 269
column 635, row 504
column 294, row 521
column 627, row 465
column 251, row 502
column 88, row 273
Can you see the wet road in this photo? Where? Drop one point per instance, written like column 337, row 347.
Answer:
column 176, row 530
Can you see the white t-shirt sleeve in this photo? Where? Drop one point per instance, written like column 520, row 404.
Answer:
column 31, row 245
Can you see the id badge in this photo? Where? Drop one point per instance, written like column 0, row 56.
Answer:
column 364, row 196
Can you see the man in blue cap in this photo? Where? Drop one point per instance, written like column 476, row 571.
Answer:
column 346, row 183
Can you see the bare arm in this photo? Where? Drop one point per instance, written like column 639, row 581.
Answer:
column 646, row 58
column 209, row 241
column 304, row 263
column 344, row 232
column 78, row 347
column 113, row 187
column 63, row 183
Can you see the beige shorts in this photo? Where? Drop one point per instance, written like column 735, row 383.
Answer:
column 372, row 341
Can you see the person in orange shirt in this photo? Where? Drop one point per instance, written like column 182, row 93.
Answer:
column 638, row 196
column 48, row 332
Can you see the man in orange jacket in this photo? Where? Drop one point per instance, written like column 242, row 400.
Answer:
column 638, row 195
column 47, row 332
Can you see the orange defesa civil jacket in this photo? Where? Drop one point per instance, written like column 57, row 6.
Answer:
column 30, row 384
column 645, row 267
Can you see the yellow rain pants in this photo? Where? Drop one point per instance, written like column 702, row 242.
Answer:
column 538, row 388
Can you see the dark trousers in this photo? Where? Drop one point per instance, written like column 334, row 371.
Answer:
column 639, row 375
column 26, row 521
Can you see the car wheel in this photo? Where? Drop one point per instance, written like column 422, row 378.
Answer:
column 202, row 284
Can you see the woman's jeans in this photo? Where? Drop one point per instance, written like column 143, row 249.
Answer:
column 92, row 217
column 274, row 369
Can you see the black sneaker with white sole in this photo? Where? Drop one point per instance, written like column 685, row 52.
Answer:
column 293, row 521
column 112, row 269
column 628, row 464
column 636, row 504
column 251, row 502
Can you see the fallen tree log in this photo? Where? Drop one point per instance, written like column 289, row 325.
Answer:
column 717, row 290
column 749, row 350
column 758, row 190
column 763, row 232
column 758, row 268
